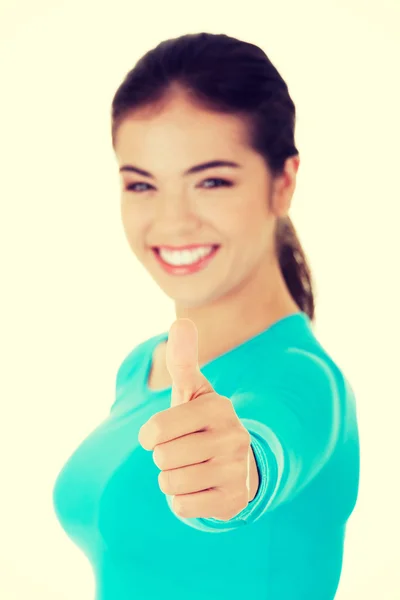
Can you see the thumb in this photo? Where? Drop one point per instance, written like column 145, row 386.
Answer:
column 182, row 361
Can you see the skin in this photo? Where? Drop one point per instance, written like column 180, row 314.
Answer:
column 242, row 291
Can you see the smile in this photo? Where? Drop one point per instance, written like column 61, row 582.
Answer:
column 187, row 261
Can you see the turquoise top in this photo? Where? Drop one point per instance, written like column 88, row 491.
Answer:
column 287, row 544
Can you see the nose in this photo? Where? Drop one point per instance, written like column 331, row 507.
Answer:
column 175, row 208
column 175, row 217
column 173, row 205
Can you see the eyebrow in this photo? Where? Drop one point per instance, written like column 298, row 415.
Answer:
column 195, row 169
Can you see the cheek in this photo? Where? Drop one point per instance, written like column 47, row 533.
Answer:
column 135, row 222
column 239, row 215
column 227, row 218
column 239, row 227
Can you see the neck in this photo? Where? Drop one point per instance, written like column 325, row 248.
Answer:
column 240, row 315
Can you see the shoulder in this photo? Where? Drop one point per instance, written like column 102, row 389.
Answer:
column 301, row 372
column 307, row 364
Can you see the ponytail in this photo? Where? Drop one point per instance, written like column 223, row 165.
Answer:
column 294, row 266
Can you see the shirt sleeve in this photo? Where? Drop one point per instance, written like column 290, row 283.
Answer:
column 294, row 418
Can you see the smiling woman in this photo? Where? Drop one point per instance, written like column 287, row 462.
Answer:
column 183, row 204
column 265, row 448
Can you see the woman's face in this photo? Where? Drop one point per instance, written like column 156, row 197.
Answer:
column 223, row 205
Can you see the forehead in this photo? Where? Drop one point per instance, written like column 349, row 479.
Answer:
column 180, row 127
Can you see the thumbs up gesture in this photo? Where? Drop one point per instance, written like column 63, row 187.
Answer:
column 199, row 443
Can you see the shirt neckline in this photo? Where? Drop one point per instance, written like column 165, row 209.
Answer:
column 278, row 326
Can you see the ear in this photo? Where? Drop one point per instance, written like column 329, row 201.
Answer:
column 284, row 187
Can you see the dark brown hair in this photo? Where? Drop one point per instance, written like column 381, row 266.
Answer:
column 227, row 75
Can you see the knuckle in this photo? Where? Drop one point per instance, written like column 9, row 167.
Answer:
column 159, row 457
column 233, row 503
column 210, row 405
column 243, row 501
column 225, row 414
column 178, row 507
column 221, row 405
column 156, row 427
column 240, row 442
column 164, row 481
column 244, row 439
column 241, row 497
column 240, row 504
column 228, row 515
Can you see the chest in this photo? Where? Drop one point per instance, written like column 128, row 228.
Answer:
column 159, row 377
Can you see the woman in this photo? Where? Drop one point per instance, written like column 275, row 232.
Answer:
column 203, row 132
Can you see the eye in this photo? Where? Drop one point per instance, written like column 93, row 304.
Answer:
column 131, row 186
column 223, row 183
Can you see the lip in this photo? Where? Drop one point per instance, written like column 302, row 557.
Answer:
column 186, row 269
column 182, row 248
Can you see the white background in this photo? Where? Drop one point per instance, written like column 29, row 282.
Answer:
column 74, row 300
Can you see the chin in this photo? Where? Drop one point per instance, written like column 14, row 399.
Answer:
column 191, row 301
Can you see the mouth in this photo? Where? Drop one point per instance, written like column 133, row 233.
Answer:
column 183, row 248
column 186, row 268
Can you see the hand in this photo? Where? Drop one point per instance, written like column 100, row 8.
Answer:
column 200, row 445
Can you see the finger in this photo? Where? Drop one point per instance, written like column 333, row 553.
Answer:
column 180, row 421
column 187, row 450
column 194, row 478
column 198, row 505
column 182, row 362
column 200, row 477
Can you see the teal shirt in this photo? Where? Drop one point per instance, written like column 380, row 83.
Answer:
column 287, row 544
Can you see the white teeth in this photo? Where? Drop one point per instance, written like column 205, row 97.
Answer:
column 185, row 257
